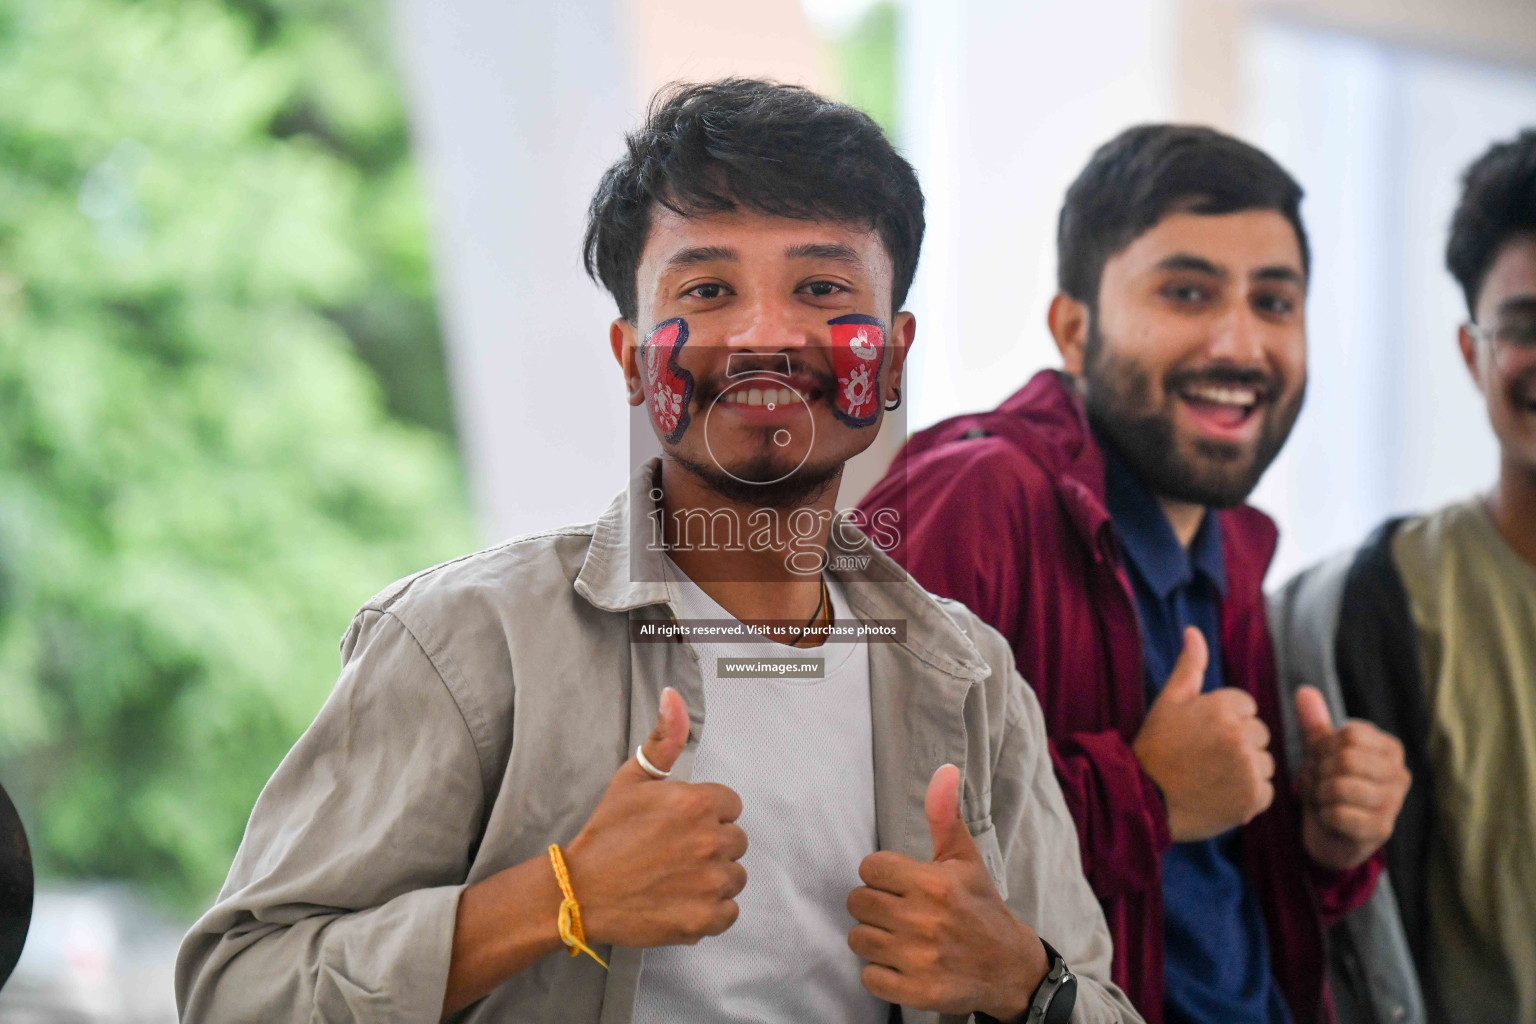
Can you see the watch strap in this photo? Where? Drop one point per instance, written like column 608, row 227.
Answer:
column 1054, row 997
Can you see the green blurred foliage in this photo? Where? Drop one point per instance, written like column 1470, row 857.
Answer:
column 864, row 61
column 223, row 417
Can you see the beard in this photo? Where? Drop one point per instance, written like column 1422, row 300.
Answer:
column 1134, row 416
column 802, row 487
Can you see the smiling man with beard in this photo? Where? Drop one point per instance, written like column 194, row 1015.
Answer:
column 573, row 743
column 1429, row 630
column 1096, row 520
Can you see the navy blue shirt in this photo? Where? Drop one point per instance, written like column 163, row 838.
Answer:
column 1216, row 948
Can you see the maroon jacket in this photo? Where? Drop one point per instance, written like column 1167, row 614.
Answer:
column 1005, row 512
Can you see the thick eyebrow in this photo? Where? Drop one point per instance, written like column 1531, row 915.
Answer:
column 1280, row 272
column 835, row 251
column 1187, row 261
column 1200, row 265
column 1517, row 304
column 692, row 257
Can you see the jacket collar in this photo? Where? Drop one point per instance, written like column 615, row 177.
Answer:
column 623, row 571
column 1046, row 419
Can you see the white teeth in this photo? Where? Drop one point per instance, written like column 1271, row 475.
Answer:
column 1225, row 396
column 776, row 397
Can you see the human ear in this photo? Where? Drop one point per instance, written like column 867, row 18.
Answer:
column 621, row 338
column 904, row 332
column 1468, row 346
column 1068, row 321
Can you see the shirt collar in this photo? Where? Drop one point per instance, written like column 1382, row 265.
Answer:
column 624, row 569
column 1148, row 537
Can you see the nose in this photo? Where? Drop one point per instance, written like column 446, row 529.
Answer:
column 1238, row 338
column 770, row 326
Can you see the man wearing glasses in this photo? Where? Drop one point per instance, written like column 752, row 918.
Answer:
column 1429, row 630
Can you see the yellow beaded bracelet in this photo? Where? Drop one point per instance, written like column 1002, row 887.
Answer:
column 571, row 932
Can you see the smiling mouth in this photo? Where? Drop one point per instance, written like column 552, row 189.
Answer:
column 770, row 397
column 1225, row 406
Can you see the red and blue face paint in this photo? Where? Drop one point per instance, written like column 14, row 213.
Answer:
column 858, row 353
column 668, row 387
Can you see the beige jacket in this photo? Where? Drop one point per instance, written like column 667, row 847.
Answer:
column 483, row 706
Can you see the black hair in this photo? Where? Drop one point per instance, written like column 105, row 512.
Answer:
column 1498, row 202
column 1141, row 175
column 775, row 149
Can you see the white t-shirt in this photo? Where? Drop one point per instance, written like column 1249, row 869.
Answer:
column 799, row 753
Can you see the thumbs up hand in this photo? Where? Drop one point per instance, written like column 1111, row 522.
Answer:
column 656, row 864
column 1353, row 781
column 1208, row 752
column 937, row 935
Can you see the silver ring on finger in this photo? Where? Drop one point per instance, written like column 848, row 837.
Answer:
column 647, row 767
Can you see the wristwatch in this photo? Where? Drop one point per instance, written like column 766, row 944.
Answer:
column 1054, row 997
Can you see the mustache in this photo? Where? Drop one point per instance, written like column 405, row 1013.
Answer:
column 1266, row 384
column 801, row 375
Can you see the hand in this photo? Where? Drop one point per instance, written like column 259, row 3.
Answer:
column 938, row 936
column 1353, row 782
column 1207, row 751
column 656, row 864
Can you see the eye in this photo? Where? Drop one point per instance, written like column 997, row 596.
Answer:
column 1275, row 305
column 707, row 291
column 824, row 289
column 1186, row 294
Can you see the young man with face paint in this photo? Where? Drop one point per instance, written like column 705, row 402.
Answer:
column 1096, row 520
column 538, row 750
column 1429, row 630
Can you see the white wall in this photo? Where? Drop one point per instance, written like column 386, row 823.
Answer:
column 1001, row 105
column 517, row 110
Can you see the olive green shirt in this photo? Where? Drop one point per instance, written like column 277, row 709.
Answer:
column 1473, row 601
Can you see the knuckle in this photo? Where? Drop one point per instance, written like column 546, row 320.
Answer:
column 701, row 921
column 688, row 800
column 1263, row 794
column 727, row 802
column 1236, row 702
column 1353, row 732
column 935, row 885
column 874, row 869
column 716, row 881
column 707, row 846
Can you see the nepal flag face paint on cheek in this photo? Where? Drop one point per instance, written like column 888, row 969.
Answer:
column 858, row 353
column 668, row 387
